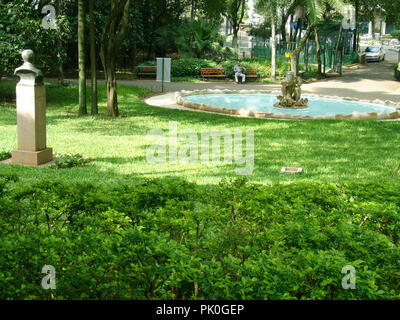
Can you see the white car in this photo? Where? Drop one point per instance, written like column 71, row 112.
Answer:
column 375, row 53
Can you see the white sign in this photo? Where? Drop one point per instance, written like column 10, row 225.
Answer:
column 166, row 62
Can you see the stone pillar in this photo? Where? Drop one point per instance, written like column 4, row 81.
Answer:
column 31, row 115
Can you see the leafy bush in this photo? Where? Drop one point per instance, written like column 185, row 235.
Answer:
column 171, row 239
column 190, row 67
column 4, row 155
column 69, row 160
column 185, row 67
column 396, row 34
column 7, row 91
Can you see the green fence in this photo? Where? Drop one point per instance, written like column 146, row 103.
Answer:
column 331, row 57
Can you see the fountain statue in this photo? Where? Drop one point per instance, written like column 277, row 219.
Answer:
column 291, row 93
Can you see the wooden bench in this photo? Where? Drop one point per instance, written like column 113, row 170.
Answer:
column 147, row 71
column 212, row 73
column 251, row 74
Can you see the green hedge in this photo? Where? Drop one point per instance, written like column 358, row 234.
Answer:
column 159, row 239
column 396, row 34
column 191, row 67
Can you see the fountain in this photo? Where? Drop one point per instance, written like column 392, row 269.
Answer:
column 270, row 103
column 291, row 93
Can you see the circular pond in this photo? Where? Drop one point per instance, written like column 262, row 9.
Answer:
column 264, row 103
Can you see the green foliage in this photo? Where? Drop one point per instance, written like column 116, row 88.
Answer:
column 262, row 32
column 186, row 67
column 263, row 66
column 20, row 25
column 69, row 160
column 7, row 91
column 4, row 155
column 156, row 239
column 190, row 67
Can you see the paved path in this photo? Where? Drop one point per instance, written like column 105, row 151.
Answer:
column 373, row 81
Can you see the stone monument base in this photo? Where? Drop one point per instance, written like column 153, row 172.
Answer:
column 32, row 158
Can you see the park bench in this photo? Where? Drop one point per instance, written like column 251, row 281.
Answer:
column 212, row 73
column 147, row 71
column 251, row 74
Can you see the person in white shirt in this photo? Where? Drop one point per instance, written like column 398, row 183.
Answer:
column 239, row 72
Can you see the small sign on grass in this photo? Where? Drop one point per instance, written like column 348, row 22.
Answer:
column 291, row 170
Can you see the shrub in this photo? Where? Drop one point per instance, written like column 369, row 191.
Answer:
column 190, row 67
column 159, row 239
column 7, row 91
column 69, row 160
column 4, row 155
column 396, row 34
column 185, row 67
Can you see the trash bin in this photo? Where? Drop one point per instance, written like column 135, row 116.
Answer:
column 289, row 75
column 362, row 58
column 396, row 72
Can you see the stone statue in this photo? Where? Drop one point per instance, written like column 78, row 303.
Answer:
column 28, row 70
column 31, row 115
column 291, row 93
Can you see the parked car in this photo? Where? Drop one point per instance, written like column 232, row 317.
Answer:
column 375, row 53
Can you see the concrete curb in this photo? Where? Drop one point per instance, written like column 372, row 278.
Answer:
column 180, row 99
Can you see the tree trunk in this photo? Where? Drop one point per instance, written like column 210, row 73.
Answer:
column 273, row 55
column 337, row 48
column 356, row 26
column 318, row 49
column 110, row 44
column 59, row 53
column 298, row 28
column 373, row 27
column 193, row 9
column 95, row 109
column 134, row 55
column 235, row 39
column 81, row 57
column 291, row 29
column 283, row 32
column 296, row 52
column 112, row 98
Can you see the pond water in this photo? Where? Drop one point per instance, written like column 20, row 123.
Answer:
column 318, row 106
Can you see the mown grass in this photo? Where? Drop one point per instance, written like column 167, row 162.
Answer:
column 330, row 151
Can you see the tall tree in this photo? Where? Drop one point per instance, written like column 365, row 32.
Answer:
column 315, row 10
column 234, row 11
column 114, row 32
column 286, row 9
column 370, row 10
column 93, row 56
column 270, row 7
column 60, row 45
column 356, row 4
column 81, row 57
column 318, row 49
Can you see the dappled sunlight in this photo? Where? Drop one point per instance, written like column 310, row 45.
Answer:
column 326, row 150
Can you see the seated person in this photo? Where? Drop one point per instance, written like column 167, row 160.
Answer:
column 239, row 72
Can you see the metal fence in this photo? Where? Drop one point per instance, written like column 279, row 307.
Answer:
column 332, row 58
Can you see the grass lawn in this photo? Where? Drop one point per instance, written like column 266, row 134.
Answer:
column 111, row 234
column 329, row 151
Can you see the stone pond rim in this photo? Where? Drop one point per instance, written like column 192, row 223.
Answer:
column 180, row 99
